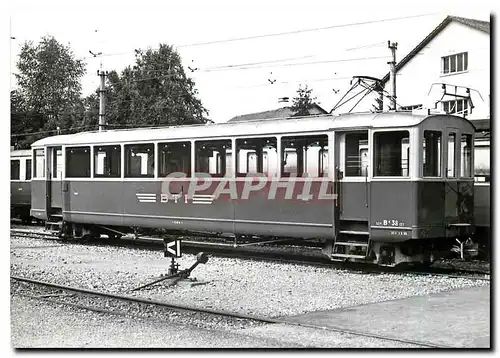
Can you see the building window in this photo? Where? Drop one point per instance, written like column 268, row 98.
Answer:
column 304, row 156
column 411, row 107
column 140, row 160
column 459, row 107
column 107, row 161
column 454, row 63
column 174, row 158
column 78, row 162
column 466, row 153
column 392, row 153
column 432, row 154
column 213, row 157
column 15, row 166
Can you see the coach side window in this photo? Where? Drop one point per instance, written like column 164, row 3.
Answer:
column 213, row 157
column 107, row 161
column 323, row 162
column 15, row 166
column 174, row 158
column 432, row 154
column 56, row 163
column 356, row 154
column 482, row 160
column 28, row 169
column 257, row 155
column 466, row 153
column 392, row 152
column 303, row 155
column 39, row 163
column 452, row 140
column 77, row 162
column 139, row 160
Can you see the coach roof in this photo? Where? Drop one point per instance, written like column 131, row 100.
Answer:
column 20, row 153
column 243, row 128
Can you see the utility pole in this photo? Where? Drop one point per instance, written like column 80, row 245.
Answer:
column 102, row 116
column 393, row 47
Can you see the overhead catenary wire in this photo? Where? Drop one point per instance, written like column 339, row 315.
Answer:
column 284, row 33
column 232, row 67
column 50, row 131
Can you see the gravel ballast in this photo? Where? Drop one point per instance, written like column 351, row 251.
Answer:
column 235, row 285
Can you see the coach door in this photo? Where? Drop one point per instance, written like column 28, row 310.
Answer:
column 352, row 173
column 54, row 180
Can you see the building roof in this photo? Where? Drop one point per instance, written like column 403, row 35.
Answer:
column 483, row 26
column 275, row 113
column 280, row 126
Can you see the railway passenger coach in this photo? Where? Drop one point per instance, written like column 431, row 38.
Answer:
column 20, row 184
column 386, row 188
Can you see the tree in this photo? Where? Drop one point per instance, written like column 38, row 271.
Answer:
column 303, row 102
column 155, row 91
column 23, row 121
column 49, row 88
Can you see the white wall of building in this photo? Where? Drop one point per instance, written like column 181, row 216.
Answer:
column 414, row 79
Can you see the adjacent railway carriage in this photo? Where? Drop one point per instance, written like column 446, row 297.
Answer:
column 20, row 184
column 482, row 205
column 386, row 188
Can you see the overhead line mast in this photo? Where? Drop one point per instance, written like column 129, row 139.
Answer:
column 103, row 125
column 393, row 47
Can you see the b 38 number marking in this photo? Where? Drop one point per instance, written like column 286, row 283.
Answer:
column 390, row 222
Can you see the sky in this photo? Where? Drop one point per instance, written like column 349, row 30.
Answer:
column 238, row 48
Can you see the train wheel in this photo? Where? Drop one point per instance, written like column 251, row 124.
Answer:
column 86, row 238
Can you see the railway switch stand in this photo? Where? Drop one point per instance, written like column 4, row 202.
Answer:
column 174, row 267
column 201, row 258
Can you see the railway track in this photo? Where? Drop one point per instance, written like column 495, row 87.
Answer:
column 290, row 255
column 189, row 309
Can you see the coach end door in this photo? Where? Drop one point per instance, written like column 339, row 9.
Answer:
column 54, row 172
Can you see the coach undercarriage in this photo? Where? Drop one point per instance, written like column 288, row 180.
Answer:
column 415, row 252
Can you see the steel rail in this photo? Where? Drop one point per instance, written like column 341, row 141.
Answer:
column 228, row 250
column 226, row 313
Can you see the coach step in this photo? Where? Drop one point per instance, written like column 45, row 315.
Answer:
column 53, row 225
column 348, row 256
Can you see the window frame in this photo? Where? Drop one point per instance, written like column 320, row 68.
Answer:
column 124, row 160
column 372, row 155
column 34, row 172
column 28, row 169
column 446, row 105
column 232, row 142
column 471, row 156
column 18, row 160
column 305, row 164
column 191, row 156
column 440, row 153
column 456, row 154
column 94, row 162
column 54, row 162
column 343, row 143
column 237, row 173
column 65, row 161
column 479, row 147
column 449, row 61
